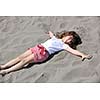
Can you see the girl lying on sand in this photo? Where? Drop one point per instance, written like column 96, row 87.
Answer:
column 62, row 41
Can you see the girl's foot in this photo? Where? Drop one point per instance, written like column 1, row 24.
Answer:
column 1, row 66
column 3, row 72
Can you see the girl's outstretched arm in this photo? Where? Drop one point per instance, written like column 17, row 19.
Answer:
column 78, row 53
column 50, row 34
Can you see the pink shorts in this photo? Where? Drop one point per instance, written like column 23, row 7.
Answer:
column 40, row 53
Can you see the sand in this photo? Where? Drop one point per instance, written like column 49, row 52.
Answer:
column 19, row 33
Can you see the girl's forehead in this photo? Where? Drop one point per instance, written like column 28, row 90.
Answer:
column 69, row 36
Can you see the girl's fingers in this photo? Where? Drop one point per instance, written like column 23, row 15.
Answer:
column 89, row 57
column 46, row 32
column 3, row 73
column 83, row 59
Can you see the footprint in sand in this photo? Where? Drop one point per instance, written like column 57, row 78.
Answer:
column 43, row 78
column 62, row 25
column 78, row 73
column 44, row 26
column 60, row 56
column 94, row 62
column 75, row 63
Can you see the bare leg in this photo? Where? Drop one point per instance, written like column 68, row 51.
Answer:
column 16, row 60
column 18, row 66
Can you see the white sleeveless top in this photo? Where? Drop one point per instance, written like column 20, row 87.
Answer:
column 54, row 45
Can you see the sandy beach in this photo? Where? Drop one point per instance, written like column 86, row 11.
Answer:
column 18, row 33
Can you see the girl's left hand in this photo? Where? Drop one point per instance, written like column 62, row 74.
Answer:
column 50, row 34
column 86, row 57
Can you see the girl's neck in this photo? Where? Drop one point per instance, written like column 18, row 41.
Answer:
column 63, row 39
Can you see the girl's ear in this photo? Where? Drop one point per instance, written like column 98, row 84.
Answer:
column 79, row 40
column 58, row 35
column 73, row 46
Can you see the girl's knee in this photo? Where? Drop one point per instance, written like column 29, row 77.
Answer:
column 24, row 55
column 26, row 60
column 20, row 58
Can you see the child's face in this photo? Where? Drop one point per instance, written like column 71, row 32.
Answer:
column 68, row 39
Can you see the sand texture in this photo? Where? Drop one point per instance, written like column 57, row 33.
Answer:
column 19, row 33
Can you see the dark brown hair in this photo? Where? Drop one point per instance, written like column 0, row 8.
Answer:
column 75, row 41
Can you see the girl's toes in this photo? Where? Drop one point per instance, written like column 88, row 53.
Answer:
column 1, row 66
column 3, row 73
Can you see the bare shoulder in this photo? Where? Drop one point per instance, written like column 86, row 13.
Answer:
column 66, row 46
